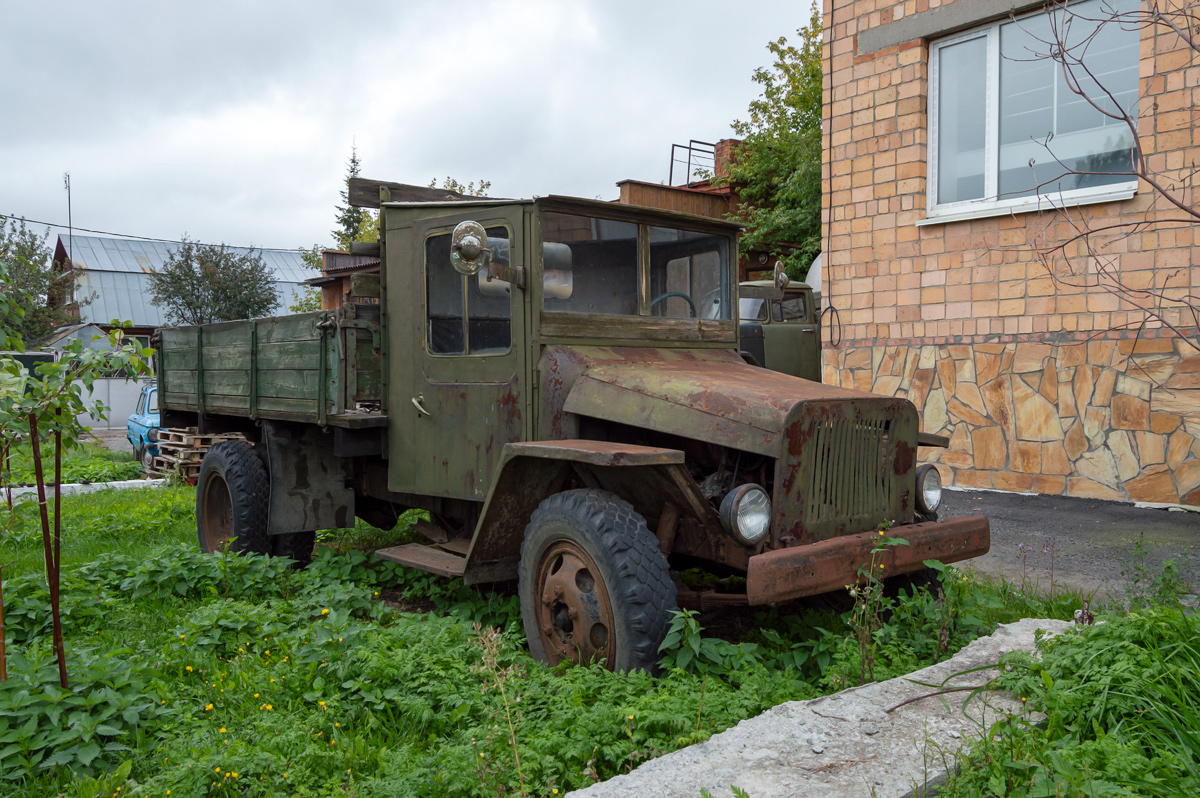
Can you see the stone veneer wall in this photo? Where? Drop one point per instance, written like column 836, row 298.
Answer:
column 1025, row 369
column 1109, row 419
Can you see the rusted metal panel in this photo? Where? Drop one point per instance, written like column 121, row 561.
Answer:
column 709, row 395
column 846, row 467
column 425, row 558
column 646, row 477
column 832, row 564
column 515, row 494
column 929, row 439
column 599, row 453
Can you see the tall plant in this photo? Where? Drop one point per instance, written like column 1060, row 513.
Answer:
column 47, row 405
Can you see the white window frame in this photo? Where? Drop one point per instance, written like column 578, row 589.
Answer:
column 989, row 205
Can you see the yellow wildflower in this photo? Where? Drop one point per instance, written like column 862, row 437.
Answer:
column 188, row 669
column 207, row 708
column 325, row 612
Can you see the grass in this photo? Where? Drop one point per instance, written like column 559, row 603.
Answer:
column 188, row 669
column 139, row 523
column 88, row 462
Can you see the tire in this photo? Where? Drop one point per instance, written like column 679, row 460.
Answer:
column 146, row 458
column 296, row 546
column 620, row 583
column 232, row 494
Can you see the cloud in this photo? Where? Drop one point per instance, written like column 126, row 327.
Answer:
column 233, row 121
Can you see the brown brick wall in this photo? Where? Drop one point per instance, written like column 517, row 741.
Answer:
column 969, row 286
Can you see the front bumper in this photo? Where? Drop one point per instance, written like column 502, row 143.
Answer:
column 832, row 564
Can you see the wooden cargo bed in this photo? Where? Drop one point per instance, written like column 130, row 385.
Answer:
column 321, row 367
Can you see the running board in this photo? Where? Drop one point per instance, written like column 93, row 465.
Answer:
column 425, row 558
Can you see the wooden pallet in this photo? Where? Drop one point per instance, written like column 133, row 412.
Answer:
column 191, row 438
column 181, row 451
column 169, row 465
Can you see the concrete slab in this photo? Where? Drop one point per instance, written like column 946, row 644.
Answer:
column 847, row 744
column 70, row 489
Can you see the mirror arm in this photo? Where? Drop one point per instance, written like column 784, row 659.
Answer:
column 513, row 275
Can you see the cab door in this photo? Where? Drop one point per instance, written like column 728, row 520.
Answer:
column 792, row 342
column 460, row 384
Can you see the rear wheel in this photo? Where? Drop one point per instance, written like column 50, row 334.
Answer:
column 593, row 584
column 232, row 493
column 147, row 458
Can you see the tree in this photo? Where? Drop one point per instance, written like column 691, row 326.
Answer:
column 1074, row 248
column 350, row 219
column 203, row 283
column 468, row 190
column 47, row 404
column 34, row 285
column 777, row 169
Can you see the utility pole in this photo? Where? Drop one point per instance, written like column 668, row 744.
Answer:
column 70, row 230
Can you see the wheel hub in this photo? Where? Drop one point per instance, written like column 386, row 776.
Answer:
column 575, row 614
column 216, row 514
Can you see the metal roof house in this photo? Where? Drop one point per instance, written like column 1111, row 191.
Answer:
column 112, row 273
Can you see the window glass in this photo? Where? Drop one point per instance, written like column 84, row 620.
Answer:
column 1047, row 130
column 962, row 113
column 688, row 274
column 590, row 265
column 752, row 309
column 465, row 315
column 141, row 405
column 791, row 309
column 153, row 407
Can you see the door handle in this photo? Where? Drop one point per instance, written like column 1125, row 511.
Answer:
column 419, row 403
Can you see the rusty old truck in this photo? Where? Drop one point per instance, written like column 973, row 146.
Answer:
column 558, row 383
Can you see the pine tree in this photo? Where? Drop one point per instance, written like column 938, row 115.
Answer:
column 349, row 218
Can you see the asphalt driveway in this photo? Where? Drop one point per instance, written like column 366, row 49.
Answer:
column 1090, row 543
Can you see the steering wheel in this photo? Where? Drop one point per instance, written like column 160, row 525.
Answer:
column 684, row 297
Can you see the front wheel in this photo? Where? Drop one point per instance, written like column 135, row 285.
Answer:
column 232, row 494
column 593, row 584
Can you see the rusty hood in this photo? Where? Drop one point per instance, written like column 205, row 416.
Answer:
column 709, row 395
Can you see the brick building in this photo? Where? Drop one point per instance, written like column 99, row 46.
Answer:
column 941, row 189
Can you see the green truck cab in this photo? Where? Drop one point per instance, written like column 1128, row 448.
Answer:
column 780, row 328
column 559, row 383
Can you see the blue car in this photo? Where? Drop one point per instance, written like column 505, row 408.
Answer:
column 142, row 428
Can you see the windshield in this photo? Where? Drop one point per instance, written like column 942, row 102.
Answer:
column 592, row 266
column 751, row 309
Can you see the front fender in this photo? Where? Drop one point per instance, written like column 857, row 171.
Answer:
column 647, row 477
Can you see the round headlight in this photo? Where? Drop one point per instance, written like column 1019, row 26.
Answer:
column 929, row 489
column 746, row 514
column 152, row 435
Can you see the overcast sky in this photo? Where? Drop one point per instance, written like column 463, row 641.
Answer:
column 233, row 121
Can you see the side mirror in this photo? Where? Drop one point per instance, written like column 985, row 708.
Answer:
column 468, row 248
column 781, row 278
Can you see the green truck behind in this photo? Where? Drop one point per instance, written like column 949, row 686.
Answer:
column 559, row 383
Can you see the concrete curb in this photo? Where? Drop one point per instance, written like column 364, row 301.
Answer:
column 75, row 488
column 846, row 744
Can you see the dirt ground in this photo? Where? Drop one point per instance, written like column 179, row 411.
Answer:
column 1089, row 544
column 114, row 439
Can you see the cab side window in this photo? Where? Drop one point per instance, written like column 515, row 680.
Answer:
column 466, row 315
column 794, row 309
column 152, row 404
column 141, row 405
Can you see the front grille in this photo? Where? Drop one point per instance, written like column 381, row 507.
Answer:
column 851, row 481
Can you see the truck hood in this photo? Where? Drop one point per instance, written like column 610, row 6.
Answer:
column 709, row 395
